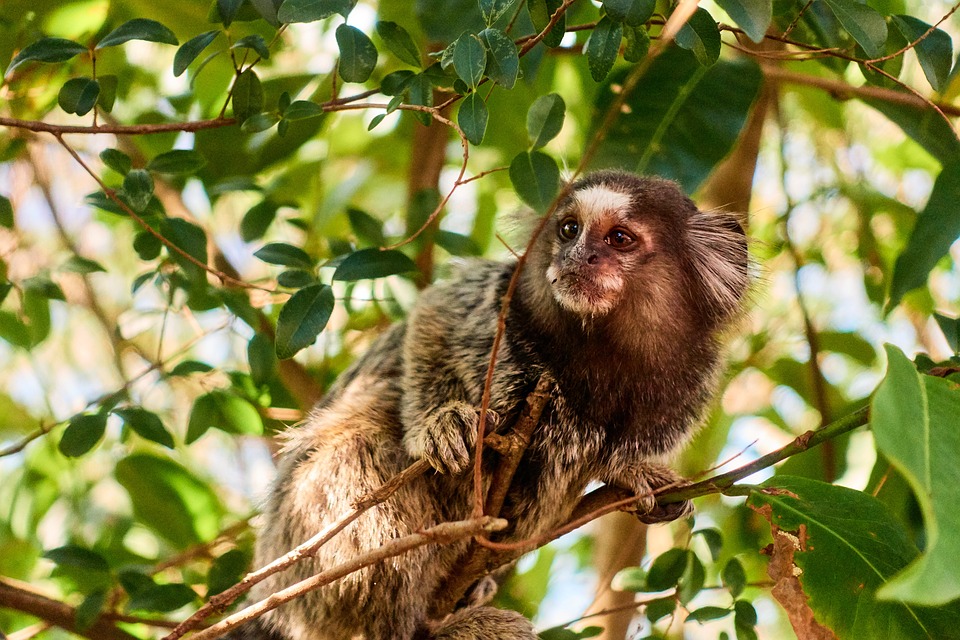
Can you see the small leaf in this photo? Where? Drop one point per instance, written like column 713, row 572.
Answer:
column 296, row 278
column 147, row 245
column 178, row 162
column 503, row 60
column 187, row 367
column 228, row 10
column 456, row 244
column 301, row 110
column 734, row 577
column 46, row 50
column 108, row 92
column 951, row 330
column 162, row 598
column 116, row 160
column 632, row 12
column 6, row 213
column 603, row 47
column 284, row 254
column 366, row 227
column 138, row 29
column 863, row 23
column 222, row 410
column 472, row 117
column 79, row 557
column 79, row 264
column 638, row 43
column 226, row 571
column 667, row 569
column 469, row 59
column 312, row 10
column 247, row 95
column 146, row 424
column 545, row 119
column 192, row 48
column 935, row 51
column 358, row 55
column 714, row 541
column 189, row 238
column 399, row 42
column 373, row 263
column 82, row 434
column 745, row 615
column 701, row 36
column 540, row 13
column 254, row 42
column 43, row 286
column 262, row 359
column 259, row 122
column 79, row 95
column 753, row 16
column 89, row 610
column 536, row 179
column 257, row 220
column 138, row 189
column 492, row 10
column 706, row 614
column 302, row 319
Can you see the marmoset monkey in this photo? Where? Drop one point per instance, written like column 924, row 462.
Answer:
column 623, row 302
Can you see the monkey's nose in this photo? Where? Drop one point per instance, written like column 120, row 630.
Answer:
column 592, row 258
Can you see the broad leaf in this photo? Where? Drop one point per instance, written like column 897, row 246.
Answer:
column 753, row 16
column 83, row 432
column 302, row 109
column 262, row 358
column 701, row 36
column 138, row 189
column 76, row 556
column 632, row 12
column 46, row 50
column 916, row 424
column 863, row 23
column 472, row 117
column 138, row 29
column 545, row 119
column 603, row 47
column 222, row 410
column 255, row 43
column 226, row 571
column 146, row 424
column 302, row 319
column 116, row 160
column 247, row 95
column 162, row 598
column 312, row 10
column 540, row 13
column 493, row 10
column 178, row 162
column 79, row 95
column 399, row 42
column 503, row 61
column 934, row 51
column 79, row 264
column 257, row 220
column 373, row 263
column 191, row 239
column 469, row 59
column 358, row 55
column 536, row 179
column 284, row 254
column 190, row 49
column 366, row 227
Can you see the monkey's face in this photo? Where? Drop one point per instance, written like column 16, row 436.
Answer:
column 597, row 242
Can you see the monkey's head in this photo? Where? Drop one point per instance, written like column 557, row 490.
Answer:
column 635, row 248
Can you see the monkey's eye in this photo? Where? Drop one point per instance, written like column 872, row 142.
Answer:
column 569, row 230
column 619, row 239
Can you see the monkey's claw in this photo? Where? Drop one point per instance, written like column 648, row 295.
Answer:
column 448, row 439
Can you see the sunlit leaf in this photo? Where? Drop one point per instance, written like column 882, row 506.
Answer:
column 863, row 23
column 934, row 51
column 146, row 424
column 302, row 319
column 192, row 48
column 753, row 16
column 545, row 119
column 83, row 432
column 373, row 263
column 162, row 598
column 399, row 42
column 138, row 29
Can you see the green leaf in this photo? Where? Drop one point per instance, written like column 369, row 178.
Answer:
column 706, row 614
column 191, row 239
column 456, row 244
column 284, row 254
column 603, row 47
column 667, row 569
column 43, row 286
column 916, row 424
column 302, row 319
column 46, row 50
column 227, row 10
column 301, row 110
column 36, row 313
column 257, row 220
column 472, row 117
column 734, row 577
column 146, row 424
column 493, row 10
column 192, row 48
column 312, row 10
column 79, row 264
column 6, row 213
column 638, row 43
column 178, row 162
column 227, row 570
column 116, row 160
column 373, row 263
column 701, row 36
column 399, row 42
column 503, row 60
column 83, row 432
column 247, row 95
column 366, row 227
column 536, row 179
column 79, row 95
column 469, row 59
column 676, row 97
column 162, row 598
column 937, row 228
column 714, row 540
column 632, row 12
column 660, row 608
column 745, row 615
column 358, row 55
column 951, row 330
column 849, row 546
column 262, row 358
column 260, row 122
column 863, row 23
column 138, row 29
column 296, row 278
column 138, row 189
column 80, row 557
column 545, row 119
column 222, row 410
column 147, row 245
column 108, row 92
column 753, row 16
column 935, row 51
column 254, row 42
column 187, row 367
column 540, row 12
column 692, row 580
column 89, row 610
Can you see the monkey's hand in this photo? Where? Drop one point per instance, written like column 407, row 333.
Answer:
column 644, row 482
column 445, row 438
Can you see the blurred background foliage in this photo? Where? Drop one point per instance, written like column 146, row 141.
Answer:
column 139, row 393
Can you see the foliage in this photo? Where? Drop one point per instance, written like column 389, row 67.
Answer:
column 201, row 224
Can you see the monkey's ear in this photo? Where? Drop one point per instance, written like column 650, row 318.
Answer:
column 718, row 248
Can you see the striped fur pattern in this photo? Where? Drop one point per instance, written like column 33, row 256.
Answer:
column 629, row 331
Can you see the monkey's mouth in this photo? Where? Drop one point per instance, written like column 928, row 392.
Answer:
column 585, row 294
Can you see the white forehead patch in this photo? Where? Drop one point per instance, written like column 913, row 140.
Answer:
column 600, row 199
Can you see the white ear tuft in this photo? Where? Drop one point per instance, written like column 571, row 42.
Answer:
column 718, row 251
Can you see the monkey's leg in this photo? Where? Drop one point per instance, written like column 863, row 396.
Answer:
column 484, row 623
column 656, row 477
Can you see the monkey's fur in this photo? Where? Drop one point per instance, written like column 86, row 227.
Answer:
column 624, row 299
